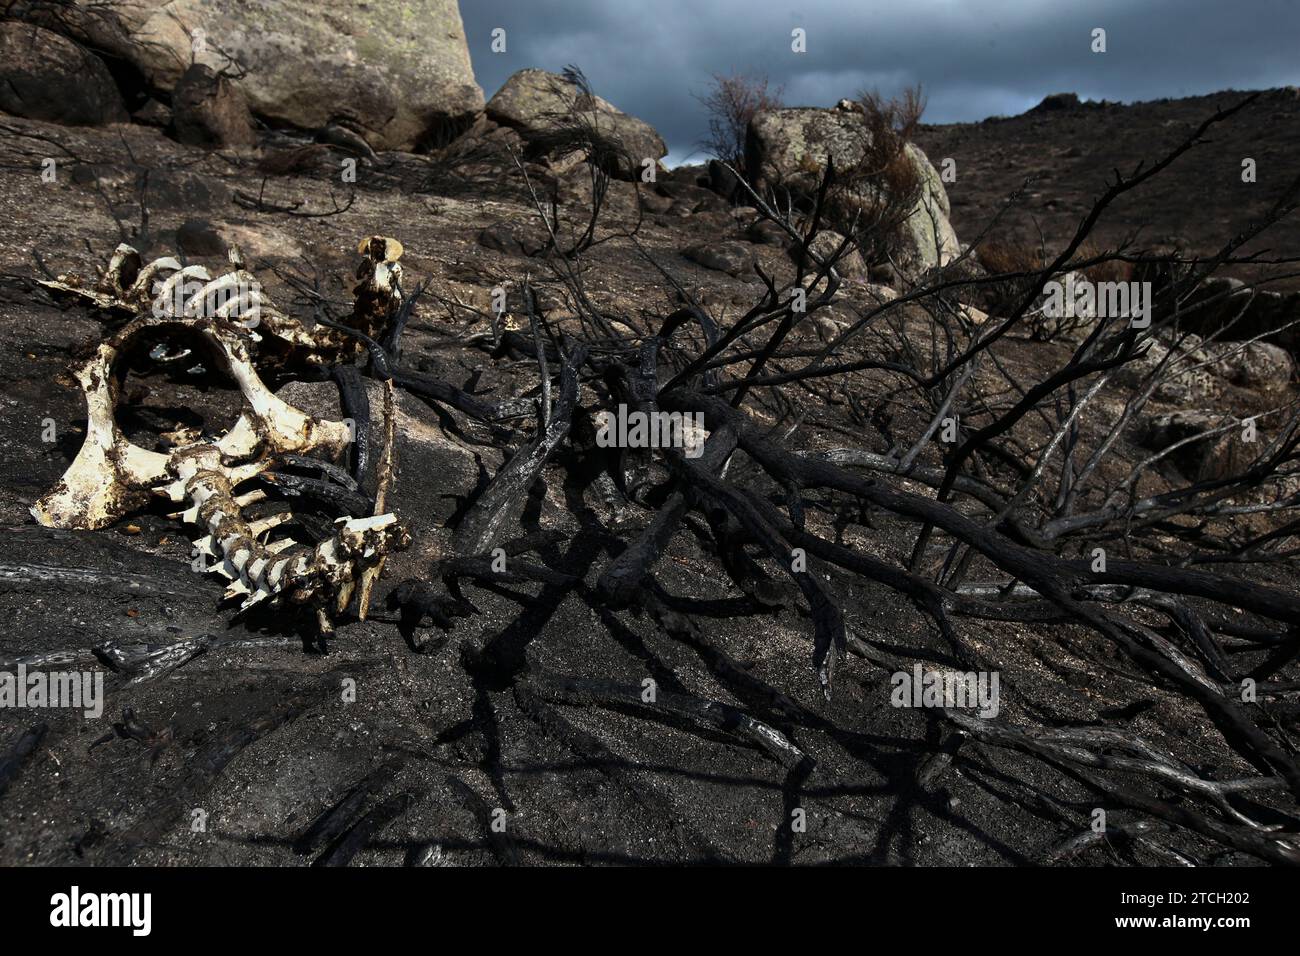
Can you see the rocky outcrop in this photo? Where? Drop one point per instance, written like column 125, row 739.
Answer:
column 48, row 77
column 485, row 147
column 1057, row 101
column 544, row 108
column 399, row 74
column 790, row 148
column 928, row 237
column 1185, row 377
column 689, row 196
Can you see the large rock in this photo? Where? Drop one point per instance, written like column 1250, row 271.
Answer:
column 1225, row 305
column 689, row 195
column 472, row 163
column 1186, row 377
column 45, row 76
column 1258, row 365
column 1220, row 305
column 733, row 258
column 398, row 73
column 207, row 110
column 825, row 245
column 539, row 105
column 1055, row 102
column 725, row 183
column 789, row 149
column 1221, row 453
column 1198, row 369
column 928, row 237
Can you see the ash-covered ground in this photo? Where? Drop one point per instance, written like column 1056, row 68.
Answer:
column 470, row 745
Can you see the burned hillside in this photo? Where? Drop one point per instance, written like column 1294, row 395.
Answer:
column 968, row 560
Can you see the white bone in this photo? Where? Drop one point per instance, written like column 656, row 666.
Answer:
column 142, row 288
column 263, row 525
column 250, row 498
column 165, row 300
column 111, row 476
column 124, row 257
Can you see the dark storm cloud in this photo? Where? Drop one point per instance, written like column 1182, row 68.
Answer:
column 975, row 59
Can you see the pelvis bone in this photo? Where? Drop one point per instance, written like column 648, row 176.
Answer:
column 112, row 476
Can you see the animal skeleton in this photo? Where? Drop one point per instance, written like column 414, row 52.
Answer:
column 165, row 288
column 111, row 476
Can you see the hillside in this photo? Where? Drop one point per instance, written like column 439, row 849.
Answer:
column 1062, row 159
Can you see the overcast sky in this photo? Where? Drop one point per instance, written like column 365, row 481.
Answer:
column 975, row 58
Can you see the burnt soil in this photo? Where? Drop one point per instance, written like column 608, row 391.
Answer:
column 1061, row 160
column 262, row 740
